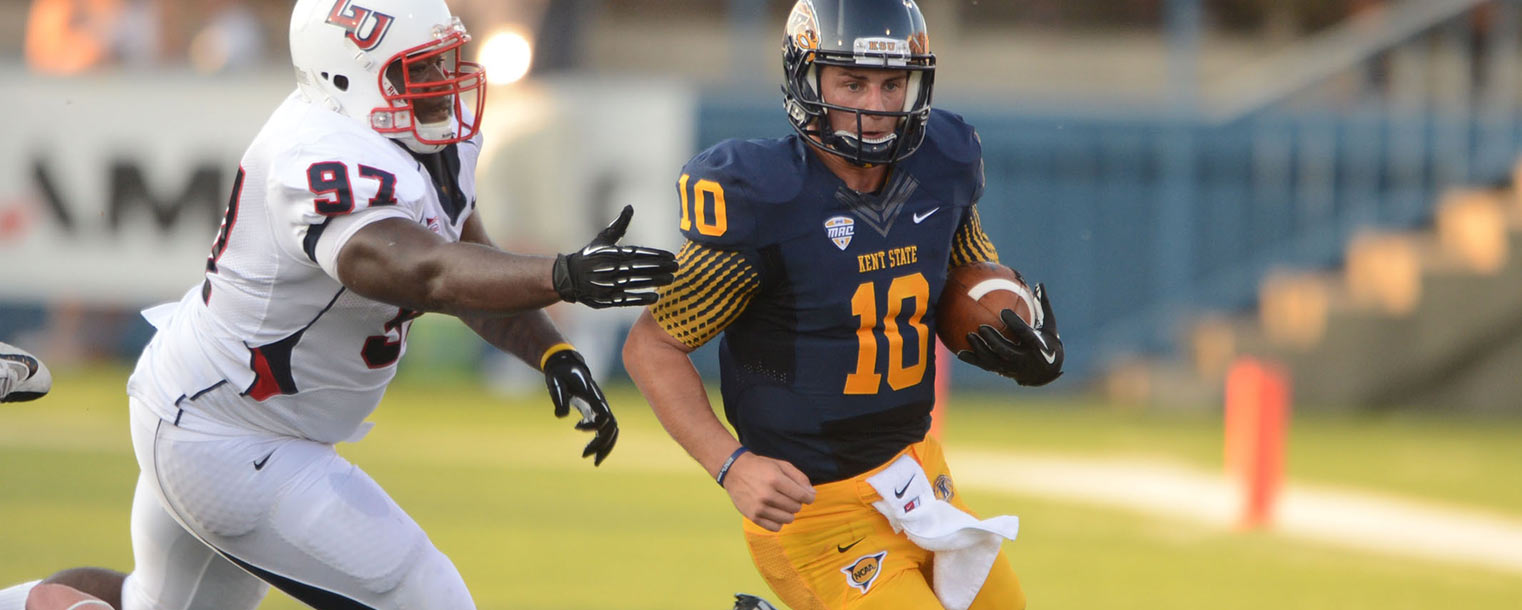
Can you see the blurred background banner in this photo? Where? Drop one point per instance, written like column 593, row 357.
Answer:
column 1194, row 181
column 114, row 181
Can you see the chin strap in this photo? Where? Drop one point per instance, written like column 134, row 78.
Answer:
column 413, row 145
column 436, row 131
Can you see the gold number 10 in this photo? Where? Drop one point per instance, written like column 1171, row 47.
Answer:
column 704, row 191
column 864, row 305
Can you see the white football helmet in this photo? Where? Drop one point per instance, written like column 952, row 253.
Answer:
column 392, row 64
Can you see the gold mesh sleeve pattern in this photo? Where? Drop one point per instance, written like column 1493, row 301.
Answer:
column 712, row 288
column 970, row 244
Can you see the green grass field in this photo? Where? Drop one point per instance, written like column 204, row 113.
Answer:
column 500, row 487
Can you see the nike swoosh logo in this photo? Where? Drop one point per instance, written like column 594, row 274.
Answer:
column 259, row 465
column 918, row 217
column 848, row 547
column 1046, row 351
column 899, row 493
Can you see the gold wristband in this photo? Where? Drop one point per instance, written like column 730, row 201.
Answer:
column 554, row 349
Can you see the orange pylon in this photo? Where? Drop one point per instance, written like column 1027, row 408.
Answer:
column 1257, row 419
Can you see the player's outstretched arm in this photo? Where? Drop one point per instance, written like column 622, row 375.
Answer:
column 765, row 490
column 399, row 262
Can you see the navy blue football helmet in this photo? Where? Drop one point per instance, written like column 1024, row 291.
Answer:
column 878, row 34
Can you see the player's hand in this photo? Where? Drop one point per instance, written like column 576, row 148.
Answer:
column 604, row 274
column 767, row 491
column 571, row 384
column 1032, row 356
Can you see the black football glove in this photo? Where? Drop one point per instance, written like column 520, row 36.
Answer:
column 1033, row 356
column 604, row 274
column 570, row 383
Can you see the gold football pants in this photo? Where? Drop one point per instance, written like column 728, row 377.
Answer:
column 840, row 553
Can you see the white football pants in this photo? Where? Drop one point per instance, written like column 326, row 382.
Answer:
column 220, row 511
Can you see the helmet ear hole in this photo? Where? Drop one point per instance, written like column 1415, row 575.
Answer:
column 341, row 81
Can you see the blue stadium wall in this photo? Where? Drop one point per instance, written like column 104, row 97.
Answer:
column 1138, row 222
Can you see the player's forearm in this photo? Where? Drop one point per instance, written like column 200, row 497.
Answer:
column 665, row 375
column 472, row 280
column 526, row 335
column 405, row 265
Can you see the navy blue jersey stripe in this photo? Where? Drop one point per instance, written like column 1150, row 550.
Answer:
column 318, row 598
column 271, row 363
column 314, row 233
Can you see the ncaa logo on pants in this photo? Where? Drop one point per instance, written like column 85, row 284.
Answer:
column 943, row 489
column 863, row 572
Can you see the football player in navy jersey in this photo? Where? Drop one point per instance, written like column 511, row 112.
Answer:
column 819, row 258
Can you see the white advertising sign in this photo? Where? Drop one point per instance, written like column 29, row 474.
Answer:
column 112, row 187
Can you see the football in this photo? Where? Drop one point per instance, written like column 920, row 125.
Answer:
column 974, row 295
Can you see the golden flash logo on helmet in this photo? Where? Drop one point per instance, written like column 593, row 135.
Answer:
column 355, row 19
column 802, row 26
column 863, row 572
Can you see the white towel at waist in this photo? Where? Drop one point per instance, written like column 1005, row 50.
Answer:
column 964, row 547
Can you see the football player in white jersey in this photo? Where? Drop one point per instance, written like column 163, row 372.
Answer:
column 351, row 214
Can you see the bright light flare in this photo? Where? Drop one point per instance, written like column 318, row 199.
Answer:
column 506, row 56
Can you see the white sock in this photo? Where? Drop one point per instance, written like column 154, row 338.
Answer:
column 14, row 598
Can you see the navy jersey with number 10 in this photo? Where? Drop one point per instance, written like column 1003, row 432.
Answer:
column 825, row 296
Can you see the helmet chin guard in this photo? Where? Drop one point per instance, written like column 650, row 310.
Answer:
column 859, row 34
column 423, row 95
column 443, row 82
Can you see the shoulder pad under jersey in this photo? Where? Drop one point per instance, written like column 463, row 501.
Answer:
column 949, row 133
column 726, row 191
column 344, row 172
column 951, row 139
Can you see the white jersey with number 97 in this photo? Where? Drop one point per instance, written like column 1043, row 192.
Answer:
column 308, row 357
